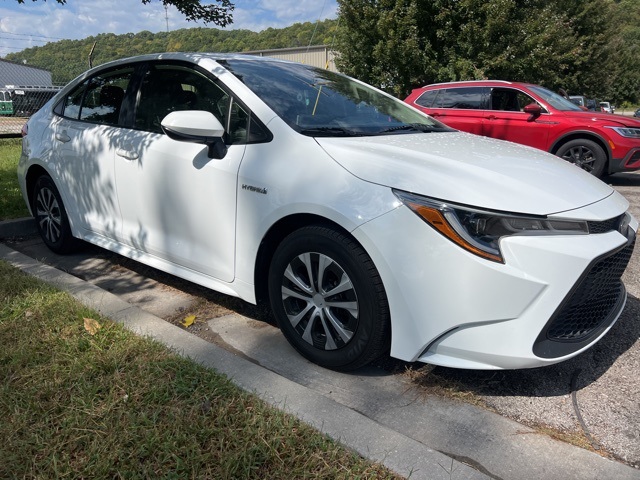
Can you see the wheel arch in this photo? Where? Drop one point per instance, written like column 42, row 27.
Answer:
column 586, row 135
column 272, row 239
column 34, row 172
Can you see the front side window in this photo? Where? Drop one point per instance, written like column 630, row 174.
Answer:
column 469, row 98
column 170, row 88
column 510, row 100
column 98, row 99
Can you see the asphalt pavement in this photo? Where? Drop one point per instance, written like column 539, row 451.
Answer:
column 391, row 415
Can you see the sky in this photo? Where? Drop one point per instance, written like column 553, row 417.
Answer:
column 36, row 23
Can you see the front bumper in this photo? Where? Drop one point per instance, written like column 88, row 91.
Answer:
column 452, row 308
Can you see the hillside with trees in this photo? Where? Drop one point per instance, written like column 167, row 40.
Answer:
column 66, row 59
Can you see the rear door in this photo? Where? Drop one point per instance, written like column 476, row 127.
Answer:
column 86, row 129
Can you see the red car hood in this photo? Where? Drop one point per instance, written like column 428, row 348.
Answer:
column 587, row 118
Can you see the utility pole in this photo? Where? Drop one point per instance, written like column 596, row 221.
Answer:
column 166, row 16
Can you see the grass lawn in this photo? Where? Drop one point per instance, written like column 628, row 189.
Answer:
column 114, row 405
column 11, row 202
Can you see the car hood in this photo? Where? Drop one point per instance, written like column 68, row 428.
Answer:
column 591, row 118
column 469, row 169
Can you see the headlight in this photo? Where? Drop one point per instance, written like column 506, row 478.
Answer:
column 628, row 132
column 480, row 231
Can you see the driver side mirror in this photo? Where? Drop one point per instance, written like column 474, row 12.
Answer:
column 196, row 126
column 534, row 110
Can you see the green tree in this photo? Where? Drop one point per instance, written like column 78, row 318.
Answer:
column 401, row 44
column 194, row 10
column 623, row 53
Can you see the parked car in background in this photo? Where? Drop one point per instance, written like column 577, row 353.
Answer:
column 533, row 115
column 606, row 107
column 367, row 226
column 637, row 113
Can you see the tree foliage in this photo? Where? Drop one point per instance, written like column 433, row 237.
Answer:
column 68, row 58
column 583, row 46
column 193, row 10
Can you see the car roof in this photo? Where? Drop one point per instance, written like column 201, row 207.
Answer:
column 475, row 83
column 193, row 57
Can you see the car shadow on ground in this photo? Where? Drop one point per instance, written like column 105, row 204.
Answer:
column 554, row 380
column 624, row 179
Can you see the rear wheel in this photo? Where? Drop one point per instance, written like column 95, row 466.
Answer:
column 585, row 154
column 328, row 299
column 51, row 217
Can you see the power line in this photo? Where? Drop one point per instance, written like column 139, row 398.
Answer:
column 32, row 35
column 23, row 39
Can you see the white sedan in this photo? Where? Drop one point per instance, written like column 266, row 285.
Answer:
column 369, row 227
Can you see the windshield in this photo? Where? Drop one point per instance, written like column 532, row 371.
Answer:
column 318, row 102
column 556, row 101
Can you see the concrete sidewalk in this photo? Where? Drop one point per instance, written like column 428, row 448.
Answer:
column 366, row 412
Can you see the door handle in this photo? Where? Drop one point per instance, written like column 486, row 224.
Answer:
column 128, row 154
column 492, row 117
column 63, row 137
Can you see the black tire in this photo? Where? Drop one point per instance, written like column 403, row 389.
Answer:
column 51, row 217
column 585, row 154
column 354, row 329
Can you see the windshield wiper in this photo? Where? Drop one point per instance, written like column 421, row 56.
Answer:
column 415, row 127
column 330, row 132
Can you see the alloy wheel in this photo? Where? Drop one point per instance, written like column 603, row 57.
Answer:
column 48, row 214
column 320, row 301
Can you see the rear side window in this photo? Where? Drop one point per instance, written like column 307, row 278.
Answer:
column 471, row 98
column 98, row 99
column 427, row 98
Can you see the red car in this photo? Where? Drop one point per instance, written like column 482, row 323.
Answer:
column 529, row 114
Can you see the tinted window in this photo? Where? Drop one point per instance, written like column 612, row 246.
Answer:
column 98, row 99
column 427, row 98
column 510, row 100
column 467, row 97
column 169, row 88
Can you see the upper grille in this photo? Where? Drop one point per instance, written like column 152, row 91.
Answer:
column 606, row 225
column 589, row 309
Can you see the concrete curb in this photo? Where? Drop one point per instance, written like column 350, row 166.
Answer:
column 19, row 227
column 398, row 452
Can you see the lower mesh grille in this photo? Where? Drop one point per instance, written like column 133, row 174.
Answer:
column 593, row 300
column 589, row 309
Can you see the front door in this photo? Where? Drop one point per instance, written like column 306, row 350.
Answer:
column 506, row 119
column 177, row 204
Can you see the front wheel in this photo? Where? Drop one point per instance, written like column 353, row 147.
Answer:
column 328, row 298
column 585, row 154
column 51, row 217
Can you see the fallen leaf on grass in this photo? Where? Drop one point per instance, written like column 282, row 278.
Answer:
column 188, row 320
column 91, row 326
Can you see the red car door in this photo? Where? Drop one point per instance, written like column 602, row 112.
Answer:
column 506, row 120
